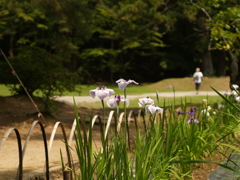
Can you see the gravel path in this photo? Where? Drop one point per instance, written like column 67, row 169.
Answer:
column 224, row 174
column 81, row 99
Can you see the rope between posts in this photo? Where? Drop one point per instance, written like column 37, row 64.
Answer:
column 15, row 74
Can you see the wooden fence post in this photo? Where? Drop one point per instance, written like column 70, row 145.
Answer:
column 66, row 175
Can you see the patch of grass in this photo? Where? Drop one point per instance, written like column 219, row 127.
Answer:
column 166, row 85
column 187, row 84
column 4, row 91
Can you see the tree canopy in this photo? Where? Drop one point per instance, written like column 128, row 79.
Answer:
column 55, row 45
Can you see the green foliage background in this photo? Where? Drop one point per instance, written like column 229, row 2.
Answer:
column 56, row 45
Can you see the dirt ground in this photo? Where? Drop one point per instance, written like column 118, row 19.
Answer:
column 19, row 112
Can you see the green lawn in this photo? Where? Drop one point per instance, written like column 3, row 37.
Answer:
column 167, row 85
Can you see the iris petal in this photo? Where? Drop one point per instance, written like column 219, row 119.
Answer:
column 196, row 121
column 127, row 101
column 110, row 91
column 158, row 109
column 235, row 86
column 191, row 120
column 112, row 103
column 101, row 94
column 120, row 80
column 132, row 81
column 144, row 101
column 152, row 109
column 140, row 104
column 122, row 85
column 92, row 93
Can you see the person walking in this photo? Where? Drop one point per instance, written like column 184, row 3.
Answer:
column 197, row 78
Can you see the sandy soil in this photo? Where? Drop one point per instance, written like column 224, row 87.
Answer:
column 19, row 112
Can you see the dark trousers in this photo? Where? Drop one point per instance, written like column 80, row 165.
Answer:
column 198, row 86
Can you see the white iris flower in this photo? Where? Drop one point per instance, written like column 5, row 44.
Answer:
column 144, row 101
column 122, row 84
column 153, row 108
column 101, row 92
column 112, row 103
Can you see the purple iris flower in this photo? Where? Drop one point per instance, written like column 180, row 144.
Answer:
column 191, row 120
column 179, row 112
column 192, row 111
column 118, row 98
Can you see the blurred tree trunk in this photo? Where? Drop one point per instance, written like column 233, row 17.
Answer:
column 207, row 63
column 11, row 40
column 221, row 63
column 207, row 67
column 234, row 73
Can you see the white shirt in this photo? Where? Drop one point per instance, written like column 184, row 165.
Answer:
column 198, row 77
